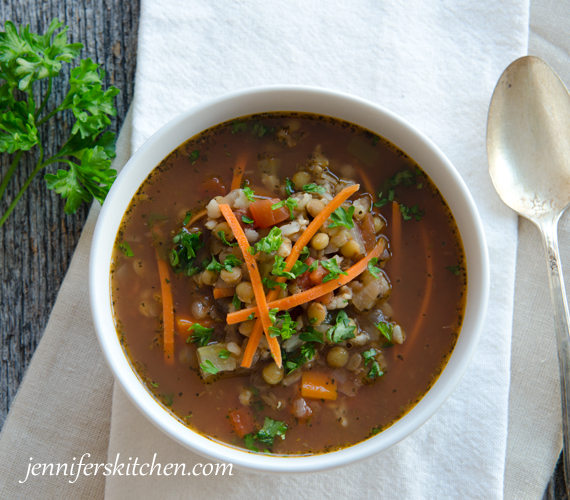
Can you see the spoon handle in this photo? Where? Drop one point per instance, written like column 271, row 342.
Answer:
column 561, row 319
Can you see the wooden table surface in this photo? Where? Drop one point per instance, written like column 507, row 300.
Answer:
column 38, row 240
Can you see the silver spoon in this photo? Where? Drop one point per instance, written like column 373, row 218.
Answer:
column 528, row 146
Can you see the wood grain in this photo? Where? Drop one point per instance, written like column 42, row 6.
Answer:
column 38, row 240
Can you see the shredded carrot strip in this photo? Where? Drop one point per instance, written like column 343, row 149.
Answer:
column 167, row 310
column 428, row 287
column 396, row 234
column 315, row 292
column 220, row 292
column 255, row 281
column 238, row 172
column 198, row 216
column 366, row 179
column 312, row 228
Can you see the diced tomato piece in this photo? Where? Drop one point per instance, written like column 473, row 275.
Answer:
column 318, row 275
column 213, row 186
column 264, row 216
column 242, row 421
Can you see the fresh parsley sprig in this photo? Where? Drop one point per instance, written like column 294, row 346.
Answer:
column 290, row 203
column 342, row 217
column 26, row 58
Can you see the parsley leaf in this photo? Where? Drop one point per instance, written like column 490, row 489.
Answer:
column 250, row 443
column 370, row 357
column 193, row 156
column 279, row 268
column 342, row 217
column 246, row 220
column 454, row 270
column 209, row 367
column 372, row 269
column 200, row 334
column 270, row 243
column 238, row 127
column 249, row 194
column 236, row 302
column 289, row 186
column 285, row 327
column 313, row 188
column 187, row 218
column 224, row 354
column 332, row 267
column 273, row 315
column 305, row 253
column 183, row 254
column 386, row 330
column 290, row 203
column 343, row 330
column 270, row 430
column 271, row 284
column 222, row 236
column 311, row 335
column 126, row 249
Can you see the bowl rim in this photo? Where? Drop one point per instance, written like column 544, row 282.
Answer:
column 302, row 99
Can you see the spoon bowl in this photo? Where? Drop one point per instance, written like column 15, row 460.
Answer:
column 528, row 147
column 528, row 139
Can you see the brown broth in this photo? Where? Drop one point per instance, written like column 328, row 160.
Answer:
column 429, row 259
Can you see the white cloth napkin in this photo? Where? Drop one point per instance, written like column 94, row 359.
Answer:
column 434, row 63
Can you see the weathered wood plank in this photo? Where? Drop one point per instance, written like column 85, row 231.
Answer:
column 38, row 240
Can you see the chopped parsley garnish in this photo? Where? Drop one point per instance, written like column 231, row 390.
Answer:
column 273, row 315
column 343, row 330
column 409, row 212
column 311, row 335
column 313, row 188
column 222, row 236
column 290, row 203
column 405, row 178
column 208, row 366
column 230, row 262
column 372, row 269
column 306, row 353
column 369, row 357
column 251, row 316
column 452, row 269
column 224, row 354
column 260, row 130
column 236, row 302
column 238, row 127
column 280, row 265
column 289, row 186
column 187, row 218
column 386, row 330
column 271, row 284
column 126, row 249
column 304, row 254
column 200, row 334
column 270, row 243
column 246, row 220
column 194, row 155
column 266, row 435
column 283, row 326
column 342, row 217
column 270, row 430
column 183, row 253
column 332, row 267
column 249, row 194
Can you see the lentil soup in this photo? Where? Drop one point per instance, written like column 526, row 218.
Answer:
column 346, row 246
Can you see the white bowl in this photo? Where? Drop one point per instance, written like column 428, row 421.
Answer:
column 304, row 99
